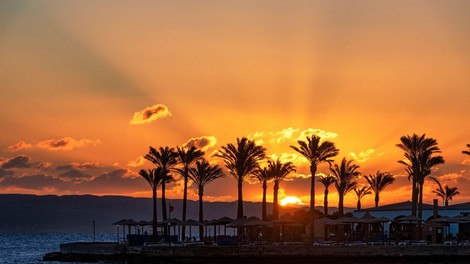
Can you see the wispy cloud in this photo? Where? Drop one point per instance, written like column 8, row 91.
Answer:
column 203, row 143
column 137, row 162
column 363, row 156
column 66, row 143
column 150, row 114
column 21, row 145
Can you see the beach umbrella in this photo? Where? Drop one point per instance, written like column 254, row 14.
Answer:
column 191, row 223
column 411, row 219
column 259, row 223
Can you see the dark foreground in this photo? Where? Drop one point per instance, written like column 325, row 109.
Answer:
column 295, row 254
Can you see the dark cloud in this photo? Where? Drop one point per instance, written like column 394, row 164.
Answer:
column 74, row 176
column 19, row 162
column 33, row 182
column 6, row 173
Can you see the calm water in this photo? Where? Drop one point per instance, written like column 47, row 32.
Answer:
column 30, row 248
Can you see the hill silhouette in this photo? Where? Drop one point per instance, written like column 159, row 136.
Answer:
column 75, row 213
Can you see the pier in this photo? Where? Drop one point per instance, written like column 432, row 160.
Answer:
column 113, row 253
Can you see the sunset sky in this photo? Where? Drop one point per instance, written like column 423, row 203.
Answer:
column 87, row 86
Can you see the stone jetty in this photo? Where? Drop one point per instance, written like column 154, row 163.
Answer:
column 113, row 253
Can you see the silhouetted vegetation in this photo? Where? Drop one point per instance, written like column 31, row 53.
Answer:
column 279, row 170
column 446, row 193
column 345, row 176
column 201, row 175
column 242, row 161
column 467, row 152
column 361, row 192
column 316, row 153
column 263, row 175
column 378, row 182
column 419, row 152
column 326, row 180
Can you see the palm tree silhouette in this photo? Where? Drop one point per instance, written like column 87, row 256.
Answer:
column 186, row 157
column 361, row 192
column 326, row 180
column 420, row 159
column 154, row 178
column 279, row 171
column 201, row 175
column 378, row 182
column 164, row 158
column 467, row 151
column 446, row 193
column 263, row 176
column 241, row 161
column 345, row 175
column 316, row 154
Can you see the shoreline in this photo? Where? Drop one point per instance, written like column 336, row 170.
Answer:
column 112, row 253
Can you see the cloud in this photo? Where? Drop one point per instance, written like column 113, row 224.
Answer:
column 363, row 156
column 150, row 114
column 318, row 132
column 19, row 162
column 75, row 176
column 21, row 145
column 203, row 143
column 290, row 135
column 6, row 173
column 66, row 143
column 137, row 162
column 32, row 182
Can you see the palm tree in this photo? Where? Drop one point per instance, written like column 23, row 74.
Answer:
column 241, row 161
column 316, row 154
column 201, row 175
column 326, row 180
column 361, row 192
column 378, row 182
column 164, row 158
column 419, row 152
column 279, row 171
column 154, row 178
column 186, row 157
column 345, row 175
column 263, row 176
column 467, row 151
column 446, row 193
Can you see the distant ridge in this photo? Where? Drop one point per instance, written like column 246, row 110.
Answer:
column 75, row 213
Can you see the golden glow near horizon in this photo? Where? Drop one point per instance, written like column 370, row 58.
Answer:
column 290, row 200
column 88, row 86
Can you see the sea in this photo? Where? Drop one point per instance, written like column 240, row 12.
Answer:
column 29, row 248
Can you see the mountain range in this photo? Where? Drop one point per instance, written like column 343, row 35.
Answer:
column 20, row 213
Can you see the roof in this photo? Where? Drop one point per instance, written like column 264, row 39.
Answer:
column 462, row 206
column 403, row 206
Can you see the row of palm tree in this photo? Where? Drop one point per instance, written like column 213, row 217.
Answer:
column 192, row 165
column 243, row 161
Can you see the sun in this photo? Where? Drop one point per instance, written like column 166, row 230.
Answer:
column 290, row 200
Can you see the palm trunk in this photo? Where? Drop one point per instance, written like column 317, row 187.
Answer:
column 340, row 204
column 201, row 215
column 154, row 215
column 420, row 202
column 185, row 201
column 163, row 201
column 414, row 197
column 313, row 170
column 446, row 203
column 325, row 202
column 275, row 201
column 358, row 204
column 240, row 198
column 265, row 186
column 377, row 199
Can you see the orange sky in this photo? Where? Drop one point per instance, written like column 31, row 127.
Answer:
column 73, row 75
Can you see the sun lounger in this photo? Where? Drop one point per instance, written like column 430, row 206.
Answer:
column 324, row 243
column 419, row 243
column 450, row 243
